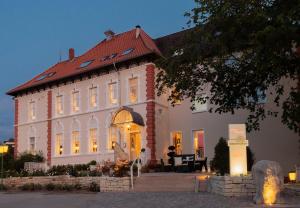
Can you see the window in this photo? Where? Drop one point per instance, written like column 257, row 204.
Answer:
column 85, row 64
column 93, row 140
column 127, row 51
column 133, row 90
column 113, row 93
column 59, row 105
column 176, row 137
column 32, row 110
column 44, row 76
column 32, row 144
column 198, row 137
column 199, row 106
column 59, row 144
column 75, row 142
column 75, row 101
column 261, row 97
column 93, row 97
column 113, row 135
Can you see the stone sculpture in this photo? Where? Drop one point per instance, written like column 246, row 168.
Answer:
column 268, row 178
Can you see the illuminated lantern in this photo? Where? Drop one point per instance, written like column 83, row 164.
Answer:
column 292, row 176
column 237, row 149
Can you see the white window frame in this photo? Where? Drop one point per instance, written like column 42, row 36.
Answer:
column 204, row 139
column 113, row 81
column 34, row 149
column 133, row 76
column 91, row 108
column 32, row 114
column 61, row 144
column 77, row 127
column 202, row 109
column 90, row 141
column 79, row 103
column 62, row 105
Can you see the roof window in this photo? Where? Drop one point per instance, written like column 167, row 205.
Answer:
column 44, row 76
column 127, row 51
column 86, row 63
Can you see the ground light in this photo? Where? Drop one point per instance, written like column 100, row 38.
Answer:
column 292, row 176
column 3, row 150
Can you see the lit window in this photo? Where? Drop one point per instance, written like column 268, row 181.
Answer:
column 75, row 101
column 59, row 144
column 93, row 97
column 32, row 110
column 113, row 93
column 133, row 90
column 75, row 142
column 32, row 145
column 93, row 140
column 59, row 105
column 198, row 144
column 112, row 138
column 199, row 106
column 177, row 141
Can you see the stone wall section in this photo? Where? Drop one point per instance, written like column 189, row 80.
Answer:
column 107, row 184
column 231, row 186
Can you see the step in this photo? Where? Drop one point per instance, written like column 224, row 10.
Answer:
column 165, row 182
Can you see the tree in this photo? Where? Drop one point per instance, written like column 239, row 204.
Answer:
column 239, row 49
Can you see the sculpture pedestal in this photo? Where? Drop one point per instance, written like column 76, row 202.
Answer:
column 237, row 149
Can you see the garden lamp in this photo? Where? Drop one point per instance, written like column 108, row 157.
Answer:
column 3, row 150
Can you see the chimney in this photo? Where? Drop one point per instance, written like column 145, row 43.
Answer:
column 137, row 31
column 109, row 34
column 71, row 54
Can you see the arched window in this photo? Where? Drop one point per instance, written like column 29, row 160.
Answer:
column 59, row 139
column 93, row 135
column 75, row 141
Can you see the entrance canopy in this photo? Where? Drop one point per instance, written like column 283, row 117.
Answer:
column 127, row 115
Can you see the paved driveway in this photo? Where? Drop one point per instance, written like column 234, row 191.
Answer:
column 125, row 200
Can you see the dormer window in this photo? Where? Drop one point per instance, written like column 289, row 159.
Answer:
column 127, row 51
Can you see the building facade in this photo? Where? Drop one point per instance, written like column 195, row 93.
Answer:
column 79, row 109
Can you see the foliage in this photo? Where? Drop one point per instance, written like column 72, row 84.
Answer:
column 93, row 162
column 50, row 187
column 77, row 186
column 94, row 187
column 3, row 187
column 31, row 187
column 220, row 162
column 27, row 157
column 238, row 50
column 8, row 159
column 121, row 170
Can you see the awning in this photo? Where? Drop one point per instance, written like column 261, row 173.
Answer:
column 127, row 115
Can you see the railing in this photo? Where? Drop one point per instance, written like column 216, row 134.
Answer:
column 139, row 166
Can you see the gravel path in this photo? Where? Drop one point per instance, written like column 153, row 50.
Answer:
column 127, row 200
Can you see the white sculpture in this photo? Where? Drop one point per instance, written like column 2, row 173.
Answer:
column 237, row 149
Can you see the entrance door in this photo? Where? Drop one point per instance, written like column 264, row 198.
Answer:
column 135, row 145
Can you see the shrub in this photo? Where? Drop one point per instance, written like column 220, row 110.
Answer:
column 67, row 187
column 95, row 173
column 77, row 186
column 28, row 187
column 3, row 187
column 220, row 162
column 93, row 162
column 27, row 157
column 50, row 187
column 94, row 187
column 121, row 170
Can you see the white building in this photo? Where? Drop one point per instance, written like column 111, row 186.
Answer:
column 77, row 110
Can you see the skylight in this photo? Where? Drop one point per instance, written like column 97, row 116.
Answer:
column 105, row 58
column 86, row 63
column 44, row 76
column 127, row 51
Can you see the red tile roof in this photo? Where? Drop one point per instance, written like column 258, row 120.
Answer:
column 141, row 46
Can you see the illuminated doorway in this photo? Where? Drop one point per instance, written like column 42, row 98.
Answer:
column 128, row 124
column 198, row 147
column 176, row 137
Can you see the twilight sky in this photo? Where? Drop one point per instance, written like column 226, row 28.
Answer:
column 33, row 33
